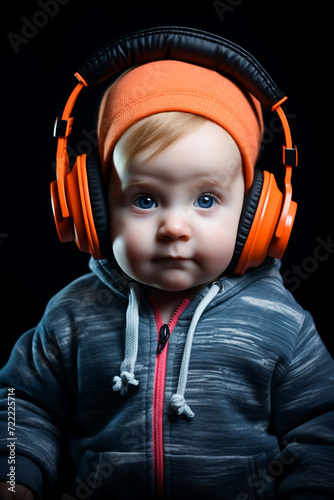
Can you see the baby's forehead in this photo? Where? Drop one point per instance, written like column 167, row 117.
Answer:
column 206, row 152
column 160, row 172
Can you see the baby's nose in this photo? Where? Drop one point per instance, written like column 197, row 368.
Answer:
column 175, row 225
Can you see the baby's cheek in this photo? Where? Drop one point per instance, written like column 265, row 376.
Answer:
column 219, row 252
column 130, row 251
column 119, row 249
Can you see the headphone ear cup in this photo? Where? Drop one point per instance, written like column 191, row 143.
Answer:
column 87, row 206
column 77, row 196
column 246, row 219
column 98, row 204
column 263, row 226
column 279, row 244
column 64, row 225
column 88, row 221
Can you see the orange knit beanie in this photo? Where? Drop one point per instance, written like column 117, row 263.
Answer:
column 170, row 85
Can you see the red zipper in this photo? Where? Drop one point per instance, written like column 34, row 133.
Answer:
column 159, row 394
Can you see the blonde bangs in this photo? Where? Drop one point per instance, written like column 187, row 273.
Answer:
column 157, row 132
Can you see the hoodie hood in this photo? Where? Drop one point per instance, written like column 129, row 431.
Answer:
column 111, row 275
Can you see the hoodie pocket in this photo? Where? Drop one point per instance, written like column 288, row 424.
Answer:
column 218, row 478
column 112, row 476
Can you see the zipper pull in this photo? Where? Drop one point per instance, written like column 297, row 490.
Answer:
column 163, row 338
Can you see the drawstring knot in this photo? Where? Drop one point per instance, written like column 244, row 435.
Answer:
column 178, row 403
column 121, row 383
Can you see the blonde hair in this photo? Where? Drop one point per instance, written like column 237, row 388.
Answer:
column 157, row 132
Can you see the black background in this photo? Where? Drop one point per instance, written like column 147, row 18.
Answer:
column 290, row 39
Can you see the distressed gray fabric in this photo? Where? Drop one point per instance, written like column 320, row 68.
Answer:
column 259, row 381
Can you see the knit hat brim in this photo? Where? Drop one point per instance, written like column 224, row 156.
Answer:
column 171, row 85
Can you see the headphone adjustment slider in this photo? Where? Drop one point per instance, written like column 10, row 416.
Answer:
column 290, row 156
column 62, row 128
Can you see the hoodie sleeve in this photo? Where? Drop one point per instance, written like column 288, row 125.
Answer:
column 303, row 418
column 32, row 384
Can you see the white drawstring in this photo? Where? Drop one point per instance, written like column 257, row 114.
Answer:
column 177, row 401
column 131, row 343
column 127, row 377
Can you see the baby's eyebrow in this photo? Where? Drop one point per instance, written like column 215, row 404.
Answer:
column 222, row 180
column 145, row 184
column 141, row 181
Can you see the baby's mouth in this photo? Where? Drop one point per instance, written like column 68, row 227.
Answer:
column 171, row 262
column 172, row 258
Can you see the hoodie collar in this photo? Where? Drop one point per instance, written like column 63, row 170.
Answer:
column 108, row 271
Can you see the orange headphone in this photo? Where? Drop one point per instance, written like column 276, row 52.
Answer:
column 79, row 194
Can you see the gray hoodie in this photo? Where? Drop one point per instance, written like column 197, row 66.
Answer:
column 238, row 403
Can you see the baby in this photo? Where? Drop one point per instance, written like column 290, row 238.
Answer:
column 163, row 373
column 171, row 231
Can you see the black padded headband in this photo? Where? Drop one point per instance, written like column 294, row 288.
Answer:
column 183, row 44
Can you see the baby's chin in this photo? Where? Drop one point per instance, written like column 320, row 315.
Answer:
column 174, row 281
column 176, row 288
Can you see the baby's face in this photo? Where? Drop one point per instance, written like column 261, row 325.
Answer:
column 174, row 216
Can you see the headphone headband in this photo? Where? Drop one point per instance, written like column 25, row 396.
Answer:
column 188, row 45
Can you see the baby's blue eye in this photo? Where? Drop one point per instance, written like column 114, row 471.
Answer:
column 145, row 202
column 205, row 201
